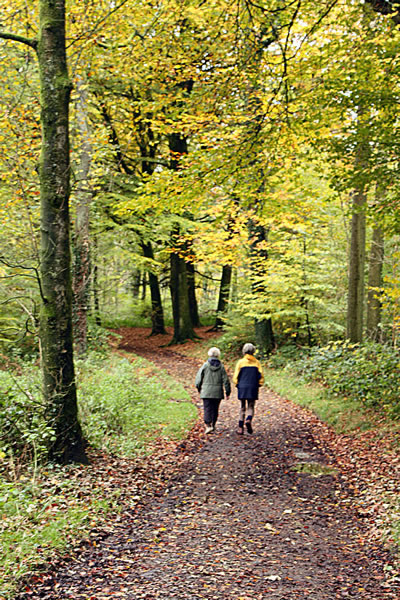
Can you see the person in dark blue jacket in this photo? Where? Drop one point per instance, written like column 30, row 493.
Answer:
column 248, row 378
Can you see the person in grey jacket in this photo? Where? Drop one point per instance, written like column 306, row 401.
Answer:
column 211, row 379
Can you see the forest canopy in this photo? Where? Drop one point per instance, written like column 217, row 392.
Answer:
column 231, row 163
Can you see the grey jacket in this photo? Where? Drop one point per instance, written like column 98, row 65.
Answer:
column 211, row 378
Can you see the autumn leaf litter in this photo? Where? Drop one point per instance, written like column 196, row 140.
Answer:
column 230, row 517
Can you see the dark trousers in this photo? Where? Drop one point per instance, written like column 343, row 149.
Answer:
column 211, row 406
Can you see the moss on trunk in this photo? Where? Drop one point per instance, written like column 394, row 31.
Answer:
column 56, row 314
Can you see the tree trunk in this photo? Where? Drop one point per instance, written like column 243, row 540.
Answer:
column 355, row 301
column 96, row 296
column 183, row 328
column 157, row 313
column 144, row 286
column 56, row 314
column 82, row 266
column 193, row 306
column 264, row 334
column 356, row 285
column 135, row 284
column 375, row 284
column 223, row 298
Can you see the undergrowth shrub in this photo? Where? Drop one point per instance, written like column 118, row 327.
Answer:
column 24, row 429
column 238, row 330
column 284, row 355
column 369, row 373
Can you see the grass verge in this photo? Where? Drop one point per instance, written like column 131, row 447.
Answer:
column 125, row 403
column 343, row 414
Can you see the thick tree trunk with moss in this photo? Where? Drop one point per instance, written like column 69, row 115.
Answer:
column 375, row 284
column 157, row 313
column 56, row 314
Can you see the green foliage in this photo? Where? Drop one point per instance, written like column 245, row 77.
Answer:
column 25, row 430
column 130, row 314
column 343, row 414
column 284, row 355
column 98, row 338
column 237, row 331
column 368, row 373
column 123, row 404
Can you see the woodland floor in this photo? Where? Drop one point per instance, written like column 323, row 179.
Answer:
column 227, row 516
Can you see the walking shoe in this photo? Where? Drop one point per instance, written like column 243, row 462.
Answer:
column 208, row 429
column 239, row 431
column 249, row 427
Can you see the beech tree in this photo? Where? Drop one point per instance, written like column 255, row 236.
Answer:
column 55, row 260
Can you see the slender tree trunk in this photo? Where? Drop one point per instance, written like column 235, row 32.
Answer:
column 96, row 295
column 144, row 286
column 223, row 297
column 375, row 283
column 135, row 284
column 193, row 306
column 355, row 301
column 157, row 313
column 356, row 285
column 234, row 286
column 82, row 266
column 56, row 314
column 264, row 335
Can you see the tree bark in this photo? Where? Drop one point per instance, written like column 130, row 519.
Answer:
column 183, row 328
column 355, row 300
column 356, row 284
column 223, row 297
column 193, row 305
column 183, row 325
column 56, row 313
column 96, row 295
column 375, row 284
column 82, row 265
column 157, row 313
column 264, row 335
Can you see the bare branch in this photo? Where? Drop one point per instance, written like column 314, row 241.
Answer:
column 34, row 269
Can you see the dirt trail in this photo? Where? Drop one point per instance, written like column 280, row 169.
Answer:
column 237, row 522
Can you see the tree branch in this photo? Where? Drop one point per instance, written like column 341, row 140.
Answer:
column 19, row 38
column 34, row 269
